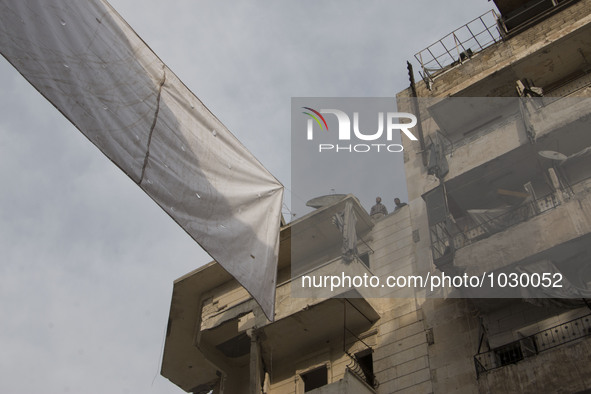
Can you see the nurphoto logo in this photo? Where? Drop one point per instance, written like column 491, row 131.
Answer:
column 392, row 121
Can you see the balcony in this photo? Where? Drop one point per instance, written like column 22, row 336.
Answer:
column 472, row 131
column 298, row 311
column 529, row 178
column 518, row 207
column 296, row 295
column 532, row 345
column 551, row 228
column 309, row 248
column 212, row 317
column 490, row 222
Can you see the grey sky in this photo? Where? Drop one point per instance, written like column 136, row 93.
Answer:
column 87, row 260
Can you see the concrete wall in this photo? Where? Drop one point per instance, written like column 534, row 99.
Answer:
column 455, row 329
column 401, row 359
column 349, row 384
column 401, row 356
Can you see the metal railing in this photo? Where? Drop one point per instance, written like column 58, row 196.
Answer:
column 459, row 45
column 505, row 220
column 362, row 373
column 532, row 345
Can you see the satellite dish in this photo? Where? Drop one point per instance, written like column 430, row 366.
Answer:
column 550, row 154
column 324, row 201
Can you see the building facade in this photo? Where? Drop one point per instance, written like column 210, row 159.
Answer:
column 500, row 182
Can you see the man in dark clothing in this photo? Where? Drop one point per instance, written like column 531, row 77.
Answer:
column 378, row 210
column 398, row 204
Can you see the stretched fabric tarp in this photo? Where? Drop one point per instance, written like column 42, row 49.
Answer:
column 85, row 59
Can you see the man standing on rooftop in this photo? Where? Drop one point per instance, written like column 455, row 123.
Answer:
column 398, row 204
column 378, row 210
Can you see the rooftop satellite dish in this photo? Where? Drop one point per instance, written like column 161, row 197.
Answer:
column 324, row 201
column 549, row 154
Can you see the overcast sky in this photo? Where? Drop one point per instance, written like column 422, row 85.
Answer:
column 87, row 260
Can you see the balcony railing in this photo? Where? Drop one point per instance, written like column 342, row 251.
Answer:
column 362, row 373
column 507, row 219
column 459, row 45
column 533, row 344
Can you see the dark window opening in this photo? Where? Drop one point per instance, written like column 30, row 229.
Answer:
column 236, row 347
column 442, row 246
column 509, row 354
column 365, row 259
column 365, row 361
column 315, row 378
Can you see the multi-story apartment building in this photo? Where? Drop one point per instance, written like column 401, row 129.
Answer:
column 500, row 182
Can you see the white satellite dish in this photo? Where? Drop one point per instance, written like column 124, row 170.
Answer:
column 324, row 201
column 549, row 154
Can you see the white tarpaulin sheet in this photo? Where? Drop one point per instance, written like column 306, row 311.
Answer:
column 85, row 59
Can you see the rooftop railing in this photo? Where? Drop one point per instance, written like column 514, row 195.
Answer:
column 459, row 45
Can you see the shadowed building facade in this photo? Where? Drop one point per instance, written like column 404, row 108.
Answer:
column 500, row 182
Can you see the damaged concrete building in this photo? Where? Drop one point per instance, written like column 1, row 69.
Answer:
column 499, row 181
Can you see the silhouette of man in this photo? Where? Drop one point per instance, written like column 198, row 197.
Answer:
column 398, row 204
column 378, row 210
